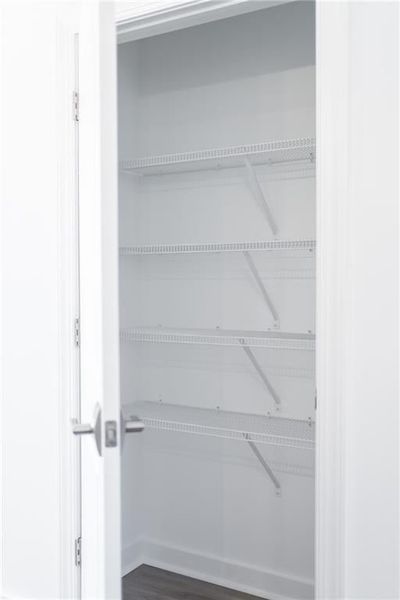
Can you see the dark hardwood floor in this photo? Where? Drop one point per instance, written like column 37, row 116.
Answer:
column 149, row 583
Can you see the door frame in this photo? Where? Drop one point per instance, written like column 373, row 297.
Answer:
column 69, row 301
column 332, row 72
column 332, row 119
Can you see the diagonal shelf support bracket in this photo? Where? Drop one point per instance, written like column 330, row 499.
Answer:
column 263, row 463
column 263, row 290
column 259, row 195
column 262, row 375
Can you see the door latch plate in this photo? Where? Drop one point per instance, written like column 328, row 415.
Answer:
column 111, row 434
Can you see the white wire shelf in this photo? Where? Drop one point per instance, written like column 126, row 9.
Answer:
column 267, row 245
column 244, row 427
column 276, row 340
column 273, row 153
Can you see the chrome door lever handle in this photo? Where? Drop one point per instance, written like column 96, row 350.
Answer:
column 86, row 428
column 82, row 428
column 133, row 425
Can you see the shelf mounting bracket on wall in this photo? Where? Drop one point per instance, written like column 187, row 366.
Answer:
column 261, row 373
column 259, row 195
column 263, row 463
column 263, row 290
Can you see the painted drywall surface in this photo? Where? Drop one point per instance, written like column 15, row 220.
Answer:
column 372, row 419
column 30, row 319
column 220, row 84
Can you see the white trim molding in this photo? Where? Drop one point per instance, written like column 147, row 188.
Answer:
column 357, row 467
column 239, row 576
column 68, row 301
column 142, row 18
column 332, row 192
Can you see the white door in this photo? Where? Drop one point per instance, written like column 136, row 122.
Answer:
column 38, row 525
column 100, row 451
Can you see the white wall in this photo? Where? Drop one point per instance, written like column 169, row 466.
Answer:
column 372, row 418
column 36, row 102
column 358, row 392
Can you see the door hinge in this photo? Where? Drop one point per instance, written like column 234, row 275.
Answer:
column 77, row 332
column 75, row 105
column 78, row 551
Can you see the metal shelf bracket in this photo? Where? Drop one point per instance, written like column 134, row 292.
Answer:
column 262, row 375
column 263, row 463
column 259, row 195
column 263, row 290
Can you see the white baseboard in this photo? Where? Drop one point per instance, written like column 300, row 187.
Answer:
column 213, row 569
column 132, row 556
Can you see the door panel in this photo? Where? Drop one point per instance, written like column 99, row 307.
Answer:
column 99, row 299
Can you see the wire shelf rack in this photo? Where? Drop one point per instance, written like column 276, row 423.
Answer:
column 276, row 340
column 268, row 245
column 244, row 427
column 272, row 153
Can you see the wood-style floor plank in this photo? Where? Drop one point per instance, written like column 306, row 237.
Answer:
column 149, row 583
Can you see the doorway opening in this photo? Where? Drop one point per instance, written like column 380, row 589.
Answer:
column 217, row 307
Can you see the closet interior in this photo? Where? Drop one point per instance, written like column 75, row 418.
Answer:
column 217, row 300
